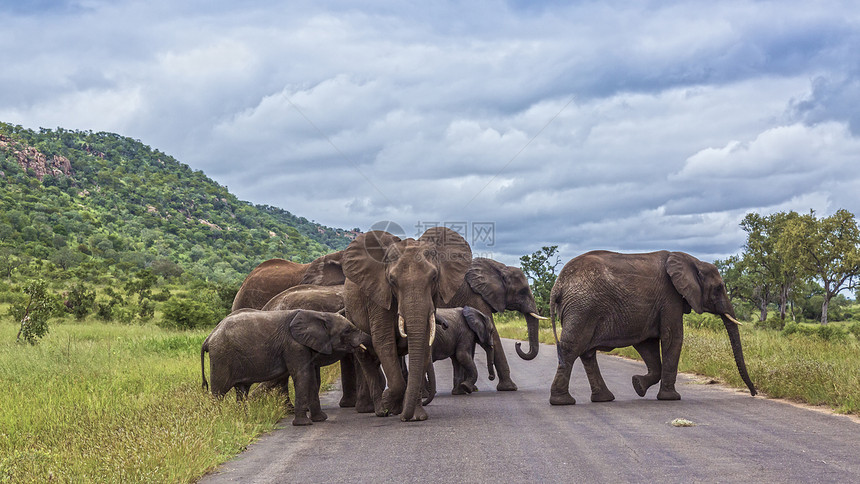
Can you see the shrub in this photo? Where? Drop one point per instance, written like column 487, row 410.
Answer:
column 183, row 314
column 854, row 329
column 773, row 322
column 80, row 301
column 34, row 312
column 826, row 332
column 704, row 321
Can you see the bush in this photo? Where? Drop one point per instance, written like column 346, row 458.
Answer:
column 773, row 322
column 80, row 301
column 704, row 321
column 854, row 329
column 826, row 332
column 183, row 314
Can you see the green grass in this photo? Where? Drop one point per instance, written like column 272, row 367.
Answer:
column 117, row 403
column 798, row 367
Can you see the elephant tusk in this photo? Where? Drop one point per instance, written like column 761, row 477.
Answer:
column 537, row 316
column 401, row 325
column 432, row 328
column 363, row 347
column 733, row 320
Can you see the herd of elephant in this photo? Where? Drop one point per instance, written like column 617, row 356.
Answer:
column 384, row 299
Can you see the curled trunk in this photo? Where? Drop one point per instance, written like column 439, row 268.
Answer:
column 533, row 326
column 735, row 339
column 491, row 356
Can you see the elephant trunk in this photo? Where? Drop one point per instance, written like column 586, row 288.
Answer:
column 491, row 357
column 419, row 353
column 430, row 385
column 735, row 339
column 533, row 326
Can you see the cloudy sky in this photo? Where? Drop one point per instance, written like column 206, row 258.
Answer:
column 631, row 126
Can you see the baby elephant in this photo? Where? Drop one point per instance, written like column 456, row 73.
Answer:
column 458, row 329
column 251, row 346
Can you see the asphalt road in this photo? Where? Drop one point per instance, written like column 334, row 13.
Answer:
column 494, row 436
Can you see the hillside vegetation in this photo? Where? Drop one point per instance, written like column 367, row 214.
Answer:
column 97, row 204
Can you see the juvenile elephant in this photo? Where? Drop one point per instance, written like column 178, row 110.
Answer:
column 457, row 332
column 326, row 299
column 493, row 287
column 392, row 290
column 608, row 300
column 251, row 346
column 276, row 275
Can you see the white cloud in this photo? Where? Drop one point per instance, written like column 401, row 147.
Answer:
column 684, row 117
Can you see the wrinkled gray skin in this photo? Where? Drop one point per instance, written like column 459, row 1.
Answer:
column 493, row 287
column 389, row 278
column 457, row 332
column 276, row 275
column 251, row 346
column 326, row 299
column 607, row 300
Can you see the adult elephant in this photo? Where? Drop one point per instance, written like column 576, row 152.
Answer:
column 326, row 299
column 276, row 275
column 392, row 290
column 608, row 300
column 493, row 287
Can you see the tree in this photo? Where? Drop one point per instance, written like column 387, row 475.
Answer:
column 34, row 312
column 540, row 268
column 775, row 270
column 828, row 248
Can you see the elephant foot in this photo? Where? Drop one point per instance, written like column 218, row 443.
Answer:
column 364, row 408
column 562, row 399
column 668, row 395
column 640, row 385
column 506, row 386
column 603, row 396
column 419, row 416
column 460, row 390
column 347, row 401
column 466, row 388
column 319, row 417
column 302, row 420
column 389, row 405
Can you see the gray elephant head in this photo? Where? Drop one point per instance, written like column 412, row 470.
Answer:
column 327, row 333
column 412, row 276
column 505, row 287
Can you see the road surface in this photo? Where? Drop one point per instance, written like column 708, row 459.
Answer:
column 492, row 436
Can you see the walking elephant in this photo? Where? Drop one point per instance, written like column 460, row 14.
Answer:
column 251, row 346
column 276, row 275
column 458, row 331
column 608, row 300
column 493, row 287
column 392, row 290
column 326, row 299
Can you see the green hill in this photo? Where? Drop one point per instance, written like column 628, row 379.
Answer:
column 99, row 204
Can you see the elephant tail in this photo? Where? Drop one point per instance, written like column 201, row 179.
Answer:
column 203, row 350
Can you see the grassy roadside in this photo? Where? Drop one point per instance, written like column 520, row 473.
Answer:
column 798, row 367
column 117, row 403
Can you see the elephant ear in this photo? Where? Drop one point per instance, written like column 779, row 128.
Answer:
column 325, row 271
column 487, row 278
column 686, row 277
column 453, row 258
column 479, row 323
column 364, row 263
column 309, row 329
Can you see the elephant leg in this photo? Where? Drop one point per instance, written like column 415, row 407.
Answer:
column 317, row 415
column 599, row 391
column 305, row 385
column 459, row 377
column 281, row 385
column 569, row 349
column 242, row 391
column 503, row 370
column 348, row 381
column 649, row 350
column 671, row 339
column 363, row 401
column 374, row 383
column 470, row 372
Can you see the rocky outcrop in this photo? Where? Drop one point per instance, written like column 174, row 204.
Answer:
column 34, row 161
